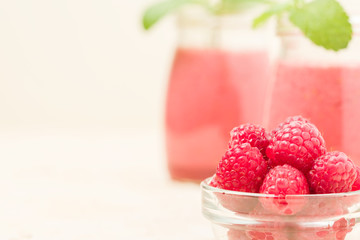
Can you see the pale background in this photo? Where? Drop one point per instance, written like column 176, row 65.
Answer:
column 77, row 63
column 82, row 91
column 84, row 64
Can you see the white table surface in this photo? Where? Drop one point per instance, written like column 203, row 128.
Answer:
column 89, row 185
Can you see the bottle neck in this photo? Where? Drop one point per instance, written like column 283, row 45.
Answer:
column 200, row 29
column 295, row 47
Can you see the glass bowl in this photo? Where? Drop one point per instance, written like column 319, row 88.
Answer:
column 254, row 216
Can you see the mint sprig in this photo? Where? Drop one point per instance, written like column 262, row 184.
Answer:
column 157, row 11
column 324, row 22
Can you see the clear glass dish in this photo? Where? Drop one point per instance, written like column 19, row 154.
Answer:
column 253, row 216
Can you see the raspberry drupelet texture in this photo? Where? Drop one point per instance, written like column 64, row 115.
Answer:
column 289, row 120
column 297, row 143
column 284, row 180
column 242, row 168
column 333, row 172
column 213, row 182
column 250, row 133
column 281, row 181
column 356, row 185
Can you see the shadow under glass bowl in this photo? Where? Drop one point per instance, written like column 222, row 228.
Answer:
column 252, row 216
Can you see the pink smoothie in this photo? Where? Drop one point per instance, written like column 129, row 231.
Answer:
column 210, row 92
column 328, row 96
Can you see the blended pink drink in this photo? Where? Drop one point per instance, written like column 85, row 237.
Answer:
column 328, row 96
column 210, row 92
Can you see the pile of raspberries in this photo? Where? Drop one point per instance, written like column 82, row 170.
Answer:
column 290, row 160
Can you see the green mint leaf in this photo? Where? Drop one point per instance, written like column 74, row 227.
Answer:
column 276, row 9
column 324, row 22
column 157, row 11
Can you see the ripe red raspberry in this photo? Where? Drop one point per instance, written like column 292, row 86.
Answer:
column 235, row 234
column 291, row 119
column 284, row 180
column 267, row 234
column 262, row 233
column 250, row 133
column 281, row 181
column 324, row 208
column 213, row 182
column 333, row 172
column 335, row 231
column 233, row 202
column 266, row 230
column 242, row 168
column 298, row 144
column 356, row 185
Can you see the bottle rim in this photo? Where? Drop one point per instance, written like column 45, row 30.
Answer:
column 195, row 16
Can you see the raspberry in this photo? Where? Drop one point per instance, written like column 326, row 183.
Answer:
column 242, row 168
column 250, row 133
column 233, row 202
column 213, row 182
column 320, row 210
column 281, row 181
column 298, row 144
column 284, row 180
column 333, row 172
column 323, row 208
column 267, row 235
column 336, row 231
column 356, row 185
column 266, row 230
column 234, row 234
column 289, row 120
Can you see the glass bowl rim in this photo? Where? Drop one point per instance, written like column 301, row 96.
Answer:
column 205, row 186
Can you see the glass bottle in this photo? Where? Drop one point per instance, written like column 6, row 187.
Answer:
column 321, row 85
column 218, row 81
